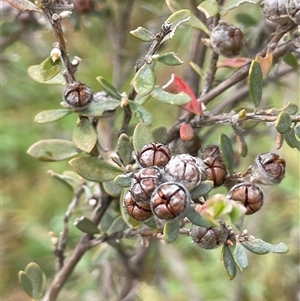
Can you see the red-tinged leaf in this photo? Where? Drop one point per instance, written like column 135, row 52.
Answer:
column 265, row 63
column 177, row 85
column 235, row 62
column 24, row 5
column 186, row 132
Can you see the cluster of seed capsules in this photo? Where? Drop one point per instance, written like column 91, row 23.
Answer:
column 162, row 186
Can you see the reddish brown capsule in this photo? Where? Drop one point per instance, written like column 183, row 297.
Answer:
column 293, row 10
column 144, row 183
column 211, row 237
column 139, row 212
column 78, row 95
column 186, row 170
column 227, row 40
column 154, row 154
column 169, row 201
column 268, row 169
column 248, row 194
column 216, row 170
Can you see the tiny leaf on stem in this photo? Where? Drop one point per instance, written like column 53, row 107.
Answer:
column 86, row 225
column 49, row 69
column 141, row 136
column 144, row 80
column 51, row 115
column 108, row 87
column 255, row 82
column 227, row 152
column 283, row 122
column 170, row 59
column 141, row 113
column 240, row 256
column 228, row 262
column 171, row 231
column 125, row 148
column 209, row 7
column 143, row 34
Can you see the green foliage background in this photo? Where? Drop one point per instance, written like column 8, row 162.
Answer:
column 33, row 203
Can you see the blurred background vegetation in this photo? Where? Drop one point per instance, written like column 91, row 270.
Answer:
column 33, row 203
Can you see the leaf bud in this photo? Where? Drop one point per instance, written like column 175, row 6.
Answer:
column 78, row 95
column 186, row 170
column 55, row 54
column 248, row 194
column 209, row 237
column 169, row 201
column 154, row 154
column 268, row 169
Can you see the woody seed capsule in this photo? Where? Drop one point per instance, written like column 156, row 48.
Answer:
column 144, row 183
column 139, row 212
column 216, row 170
column 293, row 10
column 211, row 237
column 248, row 194
column 169, row 201
column 268, row 169
column 186, row 170
column 154, row 154
column 275, row 10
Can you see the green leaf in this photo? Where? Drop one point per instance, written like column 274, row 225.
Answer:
column 228, row 262
column 297, row 131
column 235, row 3
column 176, row 19
column 170, row 98
column 112, row 188
column 53, row 150
column 237, row 214
column 171, row 231
column 227, row 152
column 70, row 178
column 202, row 189
column 170, row 59
column 24, row 5
column 124, row 180
column 241, row 142
column 25, row 283
column 290, row 60
column 95, row 169
column 197, row 23
column 246, row 19
column 86, row 225
column 118, row 225
column 144, row 80
column 260, row 247
column 37, row 278
column 124, row 149
column 130, row 221
column 143, row 34
column 141, row 113
column 291, row 140
column 109, row 88
column 209, row 7
column 84, row 135
column 141, row 136
column 96, row 109
column 283, row 122
column 33, row 72
column 49, row 69
column 240, row 256
column 291, row 109
column 255, row 82
column 51, row 115
column 160, row 134
column 195, row 218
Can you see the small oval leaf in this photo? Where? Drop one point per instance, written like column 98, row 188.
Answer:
column 196, row 219
column 255, row 82
column 108, row 87
column 240, row 257
column 53, row 150
column 170, row 59
column 69, row 178
column 143, row 34
column 160, row 134
column 171, row 231
column 38, row 279
column 118, row 225
column 124, row 180
column 291, row 140
column 176, row 19
column 25, row 283
column 96, row 109
column 144, row 80
column 257, row 246
column 228, row 262
column 51, row 115
column 84, row 135
column 86, row 225
column 112, row 188
column 141, row 136
column 209, row 7
column 141, row 113
column 124, row 149
column 33, row 72
column 95, row 169
column 170, row 98
column 202, row 189
column 227, row 152
column 283, row 122
column 49, row 69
